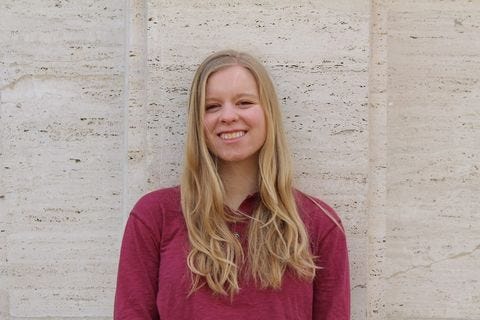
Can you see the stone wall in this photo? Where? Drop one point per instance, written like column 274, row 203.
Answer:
column 381, row 101
column 433, row 159
column 62, row 108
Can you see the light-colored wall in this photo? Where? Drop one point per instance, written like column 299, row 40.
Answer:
column 62, row 119
column 381, row 104
column 433, row 160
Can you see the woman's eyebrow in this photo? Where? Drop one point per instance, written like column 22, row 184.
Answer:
column 237, row 96
column 210, row 99
column 246, row 95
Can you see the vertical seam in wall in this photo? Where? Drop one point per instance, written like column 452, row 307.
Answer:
column 146, row 76
column 135, row 102
column 3, row 220
column 125, row 107
column 377, row 155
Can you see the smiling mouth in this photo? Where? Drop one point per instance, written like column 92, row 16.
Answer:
column 232, row 135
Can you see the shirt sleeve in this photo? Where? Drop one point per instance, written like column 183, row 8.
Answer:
column 331, row 295
column 137, row 280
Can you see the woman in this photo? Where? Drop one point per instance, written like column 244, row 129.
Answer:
column 235, row 240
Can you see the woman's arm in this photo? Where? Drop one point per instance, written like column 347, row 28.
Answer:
column 137, row 282
column 332, row 282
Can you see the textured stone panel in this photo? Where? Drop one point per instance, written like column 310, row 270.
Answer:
column 59, row 150
column 61, row 274
column 433, row 154
column 60, row 37
column 61, row 94
column 66, row 303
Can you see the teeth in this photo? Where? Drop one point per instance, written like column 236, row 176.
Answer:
column 232, row 135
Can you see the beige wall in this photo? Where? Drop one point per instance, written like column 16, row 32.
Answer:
column 381, row 101
column 433, row 148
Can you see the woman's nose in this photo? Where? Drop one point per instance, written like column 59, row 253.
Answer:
column 228, row 113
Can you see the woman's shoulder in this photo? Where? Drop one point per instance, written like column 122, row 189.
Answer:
column 157, row 203
column 317, row 214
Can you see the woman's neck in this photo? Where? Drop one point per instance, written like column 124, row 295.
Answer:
column 240, row 179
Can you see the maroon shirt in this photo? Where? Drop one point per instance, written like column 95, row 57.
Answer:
column 154, row 279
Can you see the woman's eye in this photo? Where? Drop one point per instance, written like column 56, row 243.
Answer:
column 211, row 107
column 245, row 103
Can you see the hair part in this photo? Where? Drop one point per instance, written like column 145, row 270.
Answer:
column 277, row 238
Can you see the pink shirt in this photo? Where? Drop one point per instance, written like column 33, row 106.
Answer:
column 154, row 280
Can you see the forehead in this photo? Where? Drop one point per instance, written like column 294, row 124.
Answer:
column 232, row 79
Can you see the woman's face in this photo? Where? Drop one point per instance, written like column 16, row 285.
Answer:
column 234, row 121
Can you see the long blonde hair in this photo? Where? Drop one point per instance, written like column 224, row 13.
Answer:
column 277, row 238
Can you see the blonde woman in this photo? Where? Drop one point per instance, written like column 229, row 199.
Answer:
column 235, row 240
